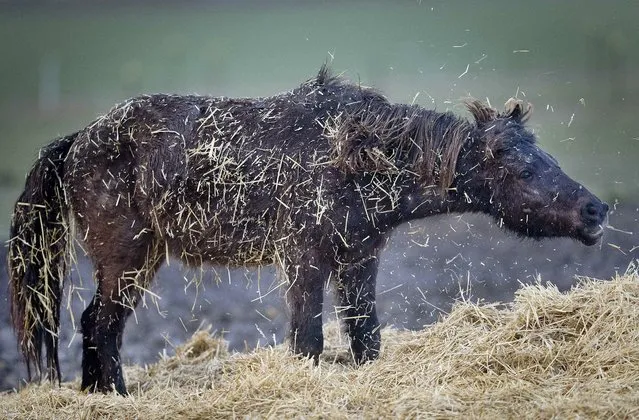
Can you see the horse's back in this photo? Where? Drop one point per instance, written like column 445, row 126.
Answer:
column 216, row 179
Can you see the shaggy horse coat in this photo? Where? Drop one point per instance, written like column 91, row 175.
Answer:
column 312, row 180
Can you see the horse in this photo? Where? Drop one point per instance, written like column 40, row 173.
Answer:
column 312, row 180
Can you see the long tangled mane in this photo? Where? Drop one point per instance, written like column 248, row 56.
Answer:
column 377, row 136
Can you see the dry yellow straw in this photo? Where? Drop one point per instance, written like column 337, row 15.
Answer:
column 573, row 355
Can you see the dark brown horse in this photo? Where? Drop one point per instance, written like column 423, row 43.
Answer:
column 312, row 180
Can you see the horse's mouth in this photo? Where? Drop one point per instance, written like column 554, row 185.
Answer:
column 590, row 235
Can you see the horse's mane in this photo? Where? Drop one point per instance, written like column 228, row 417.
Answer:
column 383, row 137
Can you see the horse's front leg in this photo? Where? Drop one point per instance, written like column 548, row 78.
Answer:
column 356, row 295
column 305, row 295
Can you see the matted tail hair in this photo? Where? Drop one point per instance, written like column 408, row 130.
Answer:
column 37, row 258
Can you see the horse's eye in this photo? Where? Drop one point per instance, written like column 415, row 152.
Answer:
column 525, row 175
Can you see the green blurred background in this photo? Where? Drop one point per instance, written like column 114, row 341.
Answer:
column 64, row 63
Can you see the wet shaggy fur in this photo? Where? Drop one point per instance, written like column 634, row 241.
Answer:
column 312, row 180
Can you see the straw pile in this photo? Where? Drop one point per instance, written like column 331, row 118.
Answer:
column 547, row 355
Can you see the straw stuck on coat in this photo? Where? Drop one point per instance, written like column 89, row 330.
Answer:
column 312, row 180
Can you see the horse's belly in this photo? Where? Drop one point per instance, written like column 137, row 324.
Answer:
column 235, row 244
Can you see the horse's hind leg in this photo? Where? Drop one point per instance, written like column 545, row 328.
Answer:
column 90, row 365
column 124, row 268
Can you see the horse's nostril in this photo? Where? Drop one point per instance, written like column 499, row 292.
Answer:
column 591, row 212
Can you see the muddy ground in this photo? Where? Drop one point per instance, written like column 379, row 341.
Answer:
column 425, row 268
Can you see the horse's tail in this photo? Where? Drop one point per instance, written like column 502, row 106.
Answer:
column 37, row 258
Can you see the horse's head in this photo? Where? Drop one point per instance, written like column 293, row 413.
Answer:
column 527, row 192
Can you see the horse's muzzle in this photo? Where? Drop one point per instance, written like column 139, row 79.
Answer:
column 593, row 217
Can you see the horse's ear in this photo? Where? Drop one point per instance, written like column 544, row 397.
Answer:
column 515, row 109
column 481, row 112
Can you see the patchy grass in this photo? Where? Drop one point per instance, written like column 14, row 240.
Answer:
column 547, row 355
